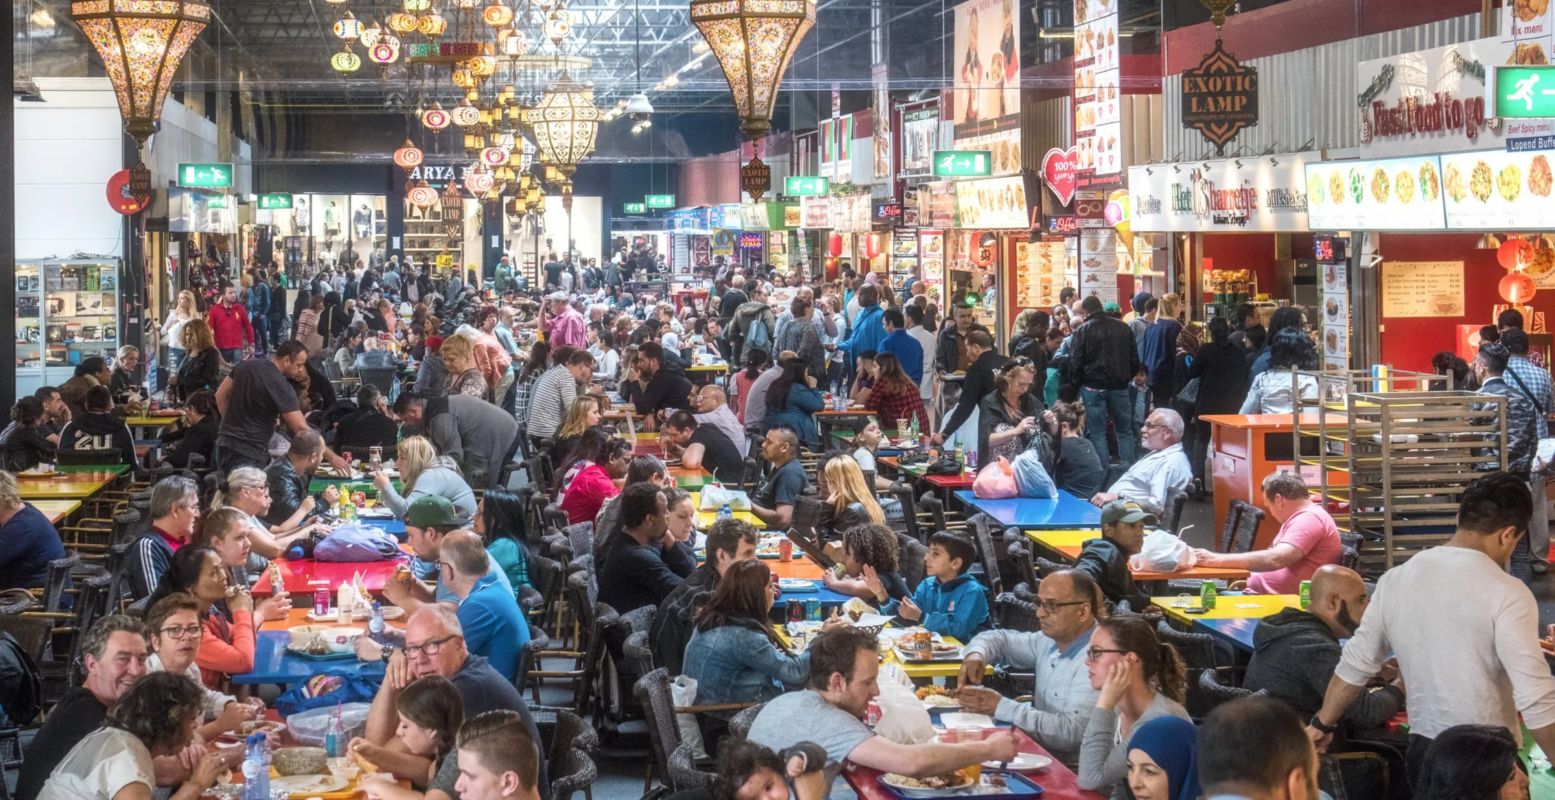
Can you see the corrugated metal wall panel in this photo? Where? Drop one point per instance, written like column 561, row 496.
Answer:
column 1044, row 124
column 1307, row 97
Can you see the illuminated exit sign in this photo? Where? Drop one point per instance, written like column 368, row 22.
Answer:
column 963, row 163
column 806, row 186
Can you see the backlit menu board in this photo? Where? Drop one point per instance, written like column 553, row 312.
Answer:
column 1397, row 194
column 1498, row 190
column 1098, row 94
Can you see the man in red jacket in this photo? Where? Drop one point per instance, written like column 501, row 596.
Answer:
column 229, row 322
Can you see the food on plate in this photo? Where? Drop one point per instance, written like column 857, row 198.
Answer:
column 925, row 692
column 1542, row 263
column 1332, row 308
column 1332, row 338
column 1457, row 187
column 856, row 608
column 1336, row 187
column 1480, row 181
column 1530, row 10
column 1314, row 189
column 1529, row 54
column 1404, row 186
column 1539, row 176
column 1430, row 186
column 260, row 725
column 1380, row 185
column 1357, row 185
column 950, row 780
column 1510, row 182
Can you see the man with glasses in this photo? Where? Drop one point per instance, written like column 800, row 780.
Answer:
column 1068, row 602
column 1164, row 468
column 428, row 520
column 435, row 645
column 175, row 506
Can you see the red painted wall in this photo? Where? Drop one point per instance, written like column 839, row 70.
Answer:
column 1294, row 26
column 709, row 181
column 1253, row 251
column 1409, row 343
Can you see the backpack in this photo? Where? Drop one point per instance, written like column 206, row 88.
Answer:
column 759, row 335
column 21, row 690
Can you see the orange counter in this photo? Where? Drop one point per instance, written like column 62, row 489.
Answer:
column 1245, row 449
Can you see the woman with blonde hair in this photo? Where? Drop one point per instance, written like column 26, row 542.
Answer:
column 424, row 472
column 184, row 310
column 201, row 366
column 247, row 489
column 848, row 500
column 465, row 377
column 583, row 414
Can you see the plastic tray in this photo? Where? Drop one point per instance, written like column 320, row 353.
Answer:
column 1017, row 787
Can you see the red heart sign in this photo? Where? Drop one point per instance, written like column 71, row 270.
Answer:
column 1058, row 170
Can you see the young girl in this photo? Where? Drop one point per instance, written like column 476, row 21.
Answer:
column 430, row 714
column 849, row 501
column 869, row 566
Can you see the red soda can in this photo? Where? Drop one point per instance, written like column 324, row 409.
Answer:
column 321, row 602
column 872, row 714
column 360, row 499
column 796, row 611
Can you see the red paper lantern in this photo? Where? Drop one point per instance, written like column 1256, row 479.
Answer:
column 834, row 245
column 874, row 245
column 1517, row 288
column 1514, row 253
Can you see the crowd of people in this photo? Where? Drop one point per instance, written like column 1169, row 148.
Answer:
column 458, row 381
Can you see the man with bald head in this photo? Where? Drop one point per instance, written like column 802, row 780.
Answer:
column 1295, row 651
column 712, row 408
column 435, row 645
column 1308, row 539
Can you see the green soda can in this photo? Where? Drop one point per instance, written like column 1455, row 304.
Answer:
column 1306, row 595
column 1207, row 595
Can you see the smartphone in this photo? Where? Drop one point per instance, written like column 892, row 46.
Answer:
column 1195, row 610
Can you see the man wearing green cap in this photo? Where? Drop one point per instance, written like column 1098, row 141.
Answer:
column 1123, row 524
column 429, row 519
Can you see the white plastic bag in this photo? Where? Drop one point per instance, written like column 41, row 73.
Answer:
column 714, row 497
column 1163, row 552
column 310, row 727
column 903, row 717
column 683, row 693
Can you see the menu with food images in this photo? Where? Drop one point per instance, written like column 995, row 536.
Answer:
column 1499, row 191
column 992, row 203
column 1387, row 194
column 904, row 251
column 931, row 256
column 1098, row 94
column 1042, row 272
column 1422, row 289
column 1335, row 315
column 1099, row 264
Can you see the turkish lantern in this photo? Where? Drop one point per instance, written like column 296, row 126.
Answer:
column 409, row 156
column 422, row 195
column 834, row 245
column 435, row 117
column 1514, row 253
column 1517, row 288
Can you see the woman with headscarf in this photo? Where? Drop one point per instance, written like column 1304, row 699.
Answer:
column 1163, row 762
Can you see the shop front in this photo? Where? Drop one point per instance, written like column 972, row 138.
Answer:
column 992, row 226
column 304, row 233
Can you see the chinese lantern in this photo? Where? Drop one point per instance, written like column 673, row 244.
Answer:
column 874, row 245
column 1514, row 253
column 1517, row 288
column 409, row 156
column 834, row 245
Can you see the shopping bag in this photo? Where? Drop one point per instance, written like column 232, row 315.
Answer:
column 683, row 693
column 1031, row 477
column 904, row 718
column 1163, row 552
column 995, row 481
column 715, row 497
column 354, row 542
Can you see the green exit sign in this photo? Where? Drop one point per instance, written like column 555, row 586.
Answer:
column 636, row 208
column 205, row 176
column 275, row 202
column 962, row 163
column 1525, row 91
column 218, row 201
column 806, row 186
column 659, row 201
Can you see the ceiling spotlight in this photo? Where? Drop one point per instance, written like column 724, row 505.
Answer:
column 638, row 107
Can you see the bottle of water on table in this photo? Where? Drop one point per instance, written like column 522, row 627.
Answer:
column 256, row 769
column 725, row 512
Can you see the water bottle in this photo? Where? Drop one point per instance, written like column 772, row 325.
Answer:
column 335, row 738
column 725, row 512
column 256, row 769
column 375, row 623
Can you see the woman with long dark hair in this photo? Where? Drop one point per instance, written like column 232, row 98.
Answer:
column 430, row 712
column 755, row 364
column 1275, row 391
column 792, row 400
column 332, row 318
column 1220, row 367
column 895, row 396
column 196, row 433
column 227, row 612
column 590, row 478
column 27, row 441
column 1472, row 762
column 500, row 522
column 1139, row 678
column 734, row 653
column 1071, row 458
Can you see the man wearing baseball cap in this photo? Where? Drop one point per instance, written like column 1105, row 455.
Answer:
column 1123, row 524
column 427, row 521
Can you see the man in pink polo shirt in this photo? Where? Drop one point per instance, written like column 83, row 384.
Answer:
column 1308, row 539
column 564, row 326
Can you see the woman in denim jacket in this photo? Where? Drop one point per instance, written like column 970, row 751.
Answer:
column 734, row 654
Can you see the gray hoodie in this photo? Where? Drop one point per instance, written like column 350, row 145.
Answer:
column 1294, row 655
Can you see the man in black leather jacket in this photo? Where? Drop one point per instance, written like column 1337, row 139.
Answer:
column 290, row 475
column 1123, row 524
column 1102, row 363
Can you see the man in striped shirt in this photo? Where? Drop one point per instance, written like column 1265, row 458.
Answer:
column 1533, row 381
column 555, row 390
column 175, row 505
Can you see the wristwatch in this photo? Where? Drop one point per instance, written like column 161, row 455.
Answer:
column 1318, row 723
column 388, row 650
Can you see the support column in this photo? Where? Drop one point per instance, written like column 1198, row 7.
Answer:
column 8, row 213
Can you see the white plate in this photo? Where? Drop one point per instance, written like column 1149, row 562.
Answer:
column 961, row 719
column 870, row 620
column 945, row 702
column 309, row 784
column 894, row 781
column 1024, row 762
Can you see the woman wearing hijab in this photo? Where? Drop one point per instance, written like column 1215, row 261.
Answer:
column 1162, row 764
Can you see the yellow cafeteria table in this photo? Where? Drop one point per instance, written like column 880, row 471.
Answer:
column 67, row 485
column 917, row 670
column 1068, row 543
column 705, row 519
column 147, row 425
column 56, row 510
column 1228, row 606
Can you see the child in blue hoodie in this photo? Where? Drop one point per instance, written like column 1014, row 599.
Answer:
column 948, row 601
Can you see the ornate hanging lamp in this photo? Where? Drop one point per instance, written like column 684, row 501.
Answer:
column 564, row 125
column 141, row 44
column 409, row 156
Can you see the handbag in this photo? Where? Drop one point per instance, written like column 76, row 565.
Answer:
column 1189, row 396
column 944, row 465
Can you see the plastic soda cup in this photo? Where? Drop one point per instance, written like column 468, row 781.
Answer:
column 1306, row 594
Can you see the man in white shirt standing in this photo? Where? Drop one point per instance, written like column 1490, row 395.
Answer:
column 1470, row 656
column 1161, row 470
column 930, row 344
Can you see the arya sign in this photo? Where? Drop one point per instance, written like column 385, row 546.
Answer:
column 1220, row 97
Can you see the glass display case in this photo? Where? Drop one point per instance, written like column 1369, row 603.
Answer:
column 66, row 310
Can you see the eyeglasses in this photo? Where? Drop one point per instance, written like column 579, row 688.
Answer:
column 1016, row 363
column 1095, row 653
column 1052, row 606
column 1149, row 425
column 431, row 648
column 182, row 632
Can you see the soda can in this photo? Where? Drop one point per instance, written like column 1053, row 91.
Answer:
column 812, row 606
column 1306, row 594
column 321, row 602
column 796, row 611
column 359, row 498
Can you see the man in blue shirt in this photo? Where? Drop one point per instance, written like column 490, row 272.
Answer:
column 1062, row 697
column 28, row 542
column 428, row 521
column 494, row 626
column 774, row 499
column 868, row 331
column 897, row 342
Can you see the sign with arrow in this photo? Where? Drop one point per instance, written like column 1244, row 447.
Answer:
column 205, row 176
column 806, row 186
column 635, row 208
column 275, row 202
column 659, row 201
column 963, row 163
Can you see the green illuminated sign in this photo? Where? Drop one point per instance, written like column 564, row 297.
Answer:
column 275, row 202
column 205, row 176
column 659, row 201
column 218, row 201
column 806, row 186
column 1525, row 91
column 636, row 208
column 963, row 163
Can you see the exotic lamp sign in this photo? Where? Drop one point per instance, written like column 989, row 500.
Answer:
column 409, row 156
column 564, row 125
column 142, row 45
column 753, row 41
